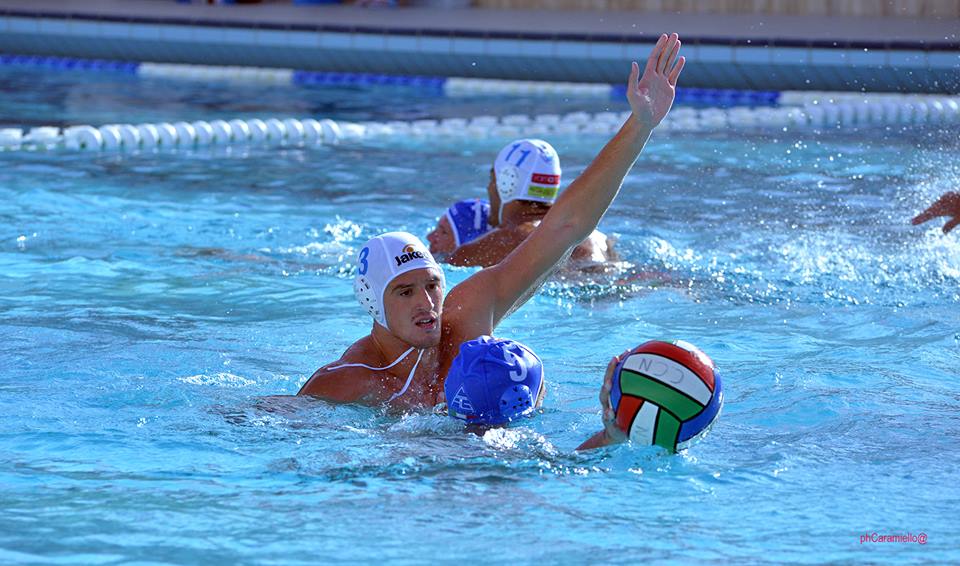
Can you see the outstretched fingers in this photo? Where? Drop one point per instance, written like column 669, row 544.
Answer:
column 654, row 58
column 947, row 205
column 612, row 432
column 927, row 214
column 652, row 94
column 675, row 73
column 634, row 80
column 667, row 53
column 607, row 386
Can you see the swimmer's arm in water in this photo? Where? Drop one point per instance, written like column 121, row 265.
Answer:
column 579, row 209
column 610, row 433
column 946, row 205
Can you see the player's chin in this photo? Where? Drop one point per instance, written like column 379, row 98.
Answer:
column 429, row 341
column 428, row 337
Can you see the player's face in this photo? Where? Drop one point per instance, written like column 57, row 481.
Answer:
column 414, row 303
column 441, row 238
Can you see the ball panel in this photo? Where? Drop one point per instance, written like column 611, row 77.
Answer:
column 644, row 424
column 698, row 362
column 666, row 397
column 697, row 424
column 671, row 374
column 627, row 411
column 668, row 427
column 615, row 392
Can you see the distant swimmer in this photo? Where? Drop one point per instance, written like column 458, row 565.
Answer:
column 947, row 205
column 462, row 223
column 524, row 184
column 417, row 332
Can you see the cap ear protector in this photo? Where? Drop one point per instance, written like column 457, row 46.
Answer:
column 508, row 182
column 363, row 290
column 516, row 400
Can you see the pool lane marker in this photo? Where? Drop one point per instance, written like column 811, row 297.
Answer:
column 812, row 111
column 448, row 86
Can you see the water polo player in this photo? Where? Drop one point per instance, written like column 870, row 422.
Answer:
column 524, row 184
column 461, row 224
column 417, row 332
column 494, row 381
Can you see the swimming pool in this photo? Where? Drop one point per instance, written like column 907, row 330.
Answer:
column 150, row 301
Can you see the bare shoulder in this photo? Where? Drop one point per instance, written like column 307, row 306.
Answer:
column 343, row 385
column 338, row 381
column 468, row 307
column 460, row 300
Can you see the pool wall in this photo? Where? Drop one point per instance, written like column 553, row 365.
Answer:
column 763, row 52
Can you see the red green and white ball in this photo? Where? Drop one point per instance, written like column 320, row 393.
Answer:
column 665, row 393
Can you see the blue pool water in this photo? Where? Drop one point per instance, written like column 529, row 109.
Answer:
column 150, row 303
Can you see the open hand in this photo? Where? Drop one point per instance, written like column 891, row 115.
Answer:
column 652, row 95
column 946, row 205
column 613, row 432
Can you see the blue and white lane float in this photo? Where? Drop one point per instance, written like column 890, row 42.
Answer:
column 810, row 111
column 69, row 63
column 447, row 86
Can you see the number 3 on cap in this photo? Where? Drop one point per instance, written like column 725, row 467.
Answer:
column 363, row 261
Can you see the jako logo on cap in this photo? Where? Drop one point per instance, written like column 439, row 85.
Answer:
column 409, row 253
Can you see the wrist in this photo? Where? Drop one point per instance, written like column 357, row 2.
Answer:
column 637, row 130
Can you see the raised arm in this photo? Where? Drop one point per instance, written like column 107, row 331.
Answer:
column 579, row 209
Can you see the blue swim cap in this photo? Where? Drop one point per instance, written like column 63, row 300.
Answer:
column 493, row 381
column 468, row 219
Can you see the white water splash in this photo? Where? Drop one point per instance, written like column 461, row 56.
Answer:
column 218, row 380
column 518, row 438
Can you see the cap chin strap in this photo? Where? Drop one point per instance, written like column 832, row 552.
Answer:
column 395, row 362
column 409, row 378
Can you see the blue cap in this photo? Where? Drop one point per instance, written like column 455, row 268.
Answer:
column 493, row 381
column 468, row 219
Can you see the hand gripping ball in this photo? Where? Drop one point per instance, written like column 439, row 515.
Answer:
column 665, row 393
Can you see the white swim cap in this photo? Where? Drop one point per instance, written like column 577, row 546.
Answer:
column 381, row 260
column 527, row 169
